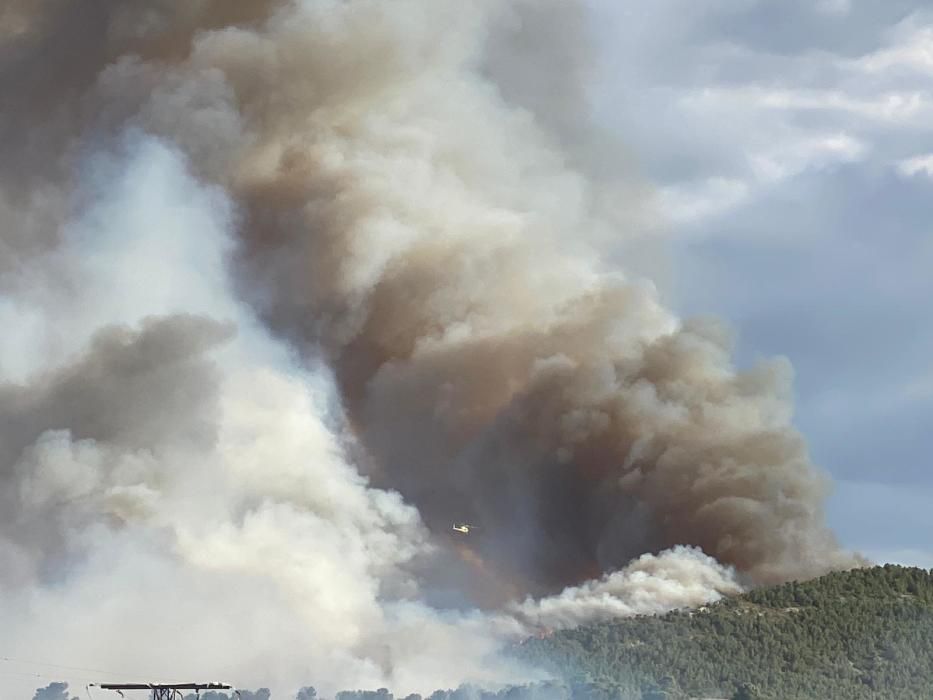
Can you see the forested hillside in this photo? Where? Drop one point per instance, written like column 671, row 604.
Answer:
column 866, row 633
column 861, row 634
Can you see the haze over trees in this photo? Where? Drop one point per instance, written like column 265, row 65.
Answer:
column 860, row 634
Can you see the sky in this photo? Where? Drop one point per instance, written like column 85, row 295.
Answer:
column 791, row 148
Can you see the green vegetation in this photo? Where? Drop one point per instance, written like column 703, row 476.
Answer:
column 866, row 633
column 861, row 634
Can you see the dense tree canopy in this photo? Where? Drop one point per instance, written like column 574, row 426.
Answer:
column 865, row 633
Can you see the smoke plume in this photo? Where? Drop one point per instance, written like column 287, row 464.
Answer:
column 652, row 584
column 295, row 286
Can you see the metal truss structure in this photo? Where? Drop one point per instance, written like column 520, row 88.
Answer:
column 166, row 691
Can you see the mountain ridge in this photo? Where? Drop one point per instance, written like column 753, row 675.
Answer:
column 861, row 633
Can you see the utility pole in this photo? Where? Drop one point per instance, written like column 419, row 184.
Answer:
column 165, row 691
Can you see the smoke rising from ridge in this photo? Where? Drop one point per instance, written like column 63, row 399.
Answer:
column 420, row 326
column 488, row 360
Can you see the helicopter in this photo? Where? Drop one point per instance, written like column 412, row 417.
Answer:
column 464, row 528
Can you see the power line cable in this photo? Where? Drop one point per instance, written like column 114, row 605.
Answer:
column 41, row 676
column 67, row 668
column 97, row 671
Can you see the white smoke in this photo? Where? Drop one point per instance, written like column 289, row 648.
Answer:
column 251, row 549
column 224, row 535
column 682, row 577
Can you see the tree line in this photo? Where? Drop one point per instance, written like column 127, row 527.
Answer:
column 865, row 634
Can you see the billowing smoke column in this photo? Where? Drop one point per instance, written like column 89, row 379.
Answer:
column 401, row 219
column 421, row 326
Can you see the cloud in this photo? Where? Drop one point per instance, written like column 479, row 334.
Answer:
column 917, row 165
column 834, row 8
column 690, row 202
column 908, row 49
